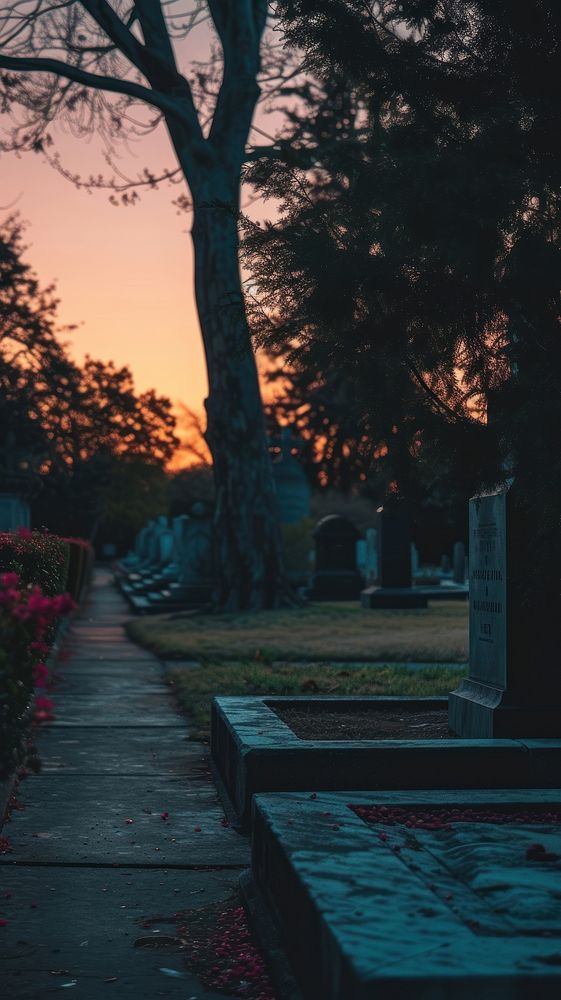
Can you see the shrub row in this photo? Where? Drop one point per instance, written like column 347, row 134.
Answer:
column 41, row 579
column 39, row 559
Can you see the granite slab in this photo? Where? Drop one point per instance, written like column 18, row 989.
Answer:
column 371, row 910
column 253, row 750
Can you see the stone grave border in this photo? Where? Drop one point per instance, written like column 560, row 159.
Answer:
column 338, row 894
column 253, row 751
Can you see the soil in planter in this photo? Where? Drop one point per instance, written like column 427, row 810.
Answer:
column 330, row 723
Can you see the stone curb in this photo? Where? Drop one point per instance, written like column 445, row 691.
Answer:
column 255, row 751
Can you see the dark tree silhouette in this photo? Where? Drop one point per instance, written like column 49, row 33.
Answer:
column 418, row 258
column 82, row 428
column 65, row 59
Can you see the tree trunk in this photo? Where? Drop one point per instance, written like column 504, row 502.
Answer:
column 250, row 571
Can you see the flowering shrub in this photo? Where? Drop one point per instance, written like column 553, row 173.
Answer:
column 37, row 557
column 27, row 620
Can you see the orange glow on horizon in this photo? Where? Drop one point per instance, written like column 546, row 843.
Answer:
column 123, row 275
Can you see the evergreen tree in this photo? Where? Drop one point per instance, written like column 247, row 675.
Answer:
column 417, row 251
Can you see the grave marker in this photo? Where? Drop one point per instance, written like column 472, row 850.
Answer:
column 514, row 682
column 394, row 562
column 292, row 487
column 336, row 577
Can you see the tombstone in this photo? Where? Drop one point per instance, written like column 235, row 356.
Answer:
column 15, row 483
column 14, row 512
column 414, row 560
column 291, row 485
column 336, row 577
column 445, row 565
column 152, row 546
column 142, row 571
column 166, row 545
column 178, row 527
column 141, row 542
column 153, row 551
column 514, row 683
column 371, row 558
column 196, row 572
column 395, row 588
column 361, row 557
column 459, row 563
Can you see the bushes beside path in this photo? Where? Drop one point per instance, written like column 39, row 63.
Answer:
column 42, row 578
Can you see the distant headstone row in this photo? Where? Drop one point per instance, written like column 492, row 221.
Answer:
column 171, row 565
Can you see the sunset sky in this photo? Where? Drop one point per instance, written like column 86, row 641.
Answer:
column 123, row 274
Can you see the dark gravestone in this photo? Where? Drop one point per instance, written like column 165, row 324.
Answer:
column 15, row 486
column 459, row 563
column 291, row 484
column 394, row 562
column 394, row 546
column 514, row 682
column 196, row 577
column 336, row 577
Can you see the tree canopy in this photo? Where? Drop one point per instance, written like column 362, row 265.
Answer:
column 416, row 257
column 117, row 70
column 77, row 423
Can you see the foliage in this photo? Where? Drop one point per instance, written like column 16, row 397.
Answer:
column 298, row 543
column 189, row 486
column 356, row 508
column 27, row 619
column 86, row 430
column 119, row 73
column 39, row 558
column 196, row 687
column 108, row 498
column 416, row 259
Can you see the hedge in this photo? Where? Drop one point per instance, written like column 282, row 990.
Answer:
column 35, row 568
column 37, row 557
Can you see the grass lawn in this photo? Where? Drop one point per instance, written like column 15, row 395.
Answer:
column 336, row 632
column 196, row 686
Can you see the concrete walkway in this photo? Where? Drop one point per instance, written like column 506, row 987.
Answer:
column 92, row 856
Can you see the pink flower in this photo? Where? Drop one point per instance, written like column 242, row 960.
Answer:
column 37, row 603
column 40, row 647
column 21, row 612
column 43, row 709
column 24, row 532
column 40, row 675
column 9, row 579
column 63, row 604
column 42, row 702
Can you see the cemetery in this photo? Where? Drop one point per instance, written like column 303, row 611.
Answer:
column 280, row 544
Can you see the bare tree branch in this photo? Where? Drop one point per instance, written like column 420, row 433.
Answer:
column 42, row 64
